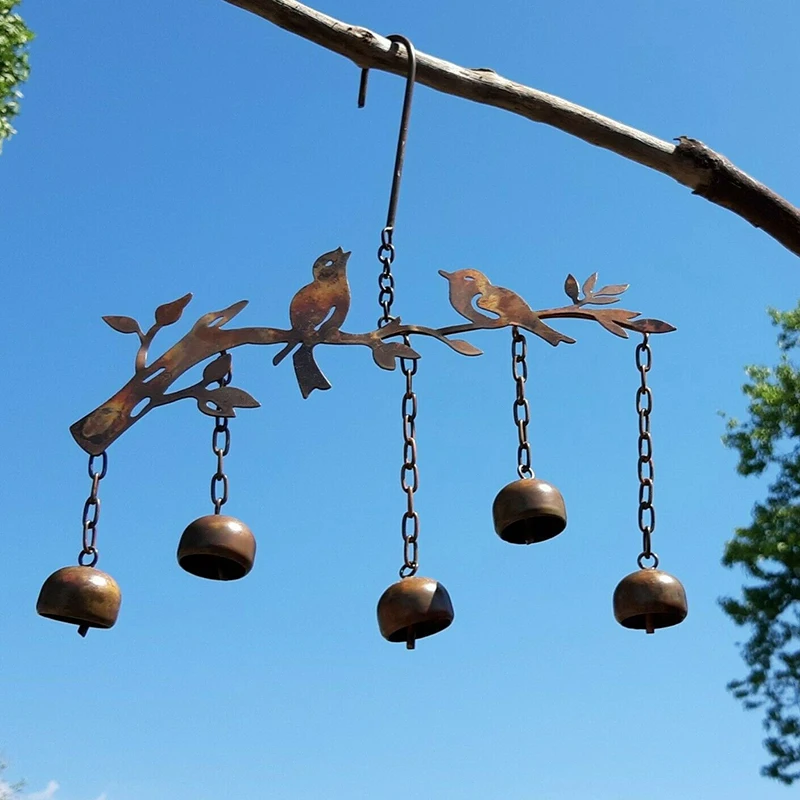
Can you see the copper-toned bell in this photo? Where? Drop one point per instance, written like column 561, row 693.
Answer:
column 217, row 547
column 648, row 599
column 528, row 511
column 82, row 596
column 414, row 608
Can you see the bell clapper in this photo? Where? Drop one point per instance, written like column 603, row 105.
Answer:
column 411, row 639
column 648, row 623
column 83, row 630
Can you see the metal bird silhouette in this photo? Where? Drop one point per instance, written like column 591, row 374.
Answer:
column 507, row 307
column 317, row 309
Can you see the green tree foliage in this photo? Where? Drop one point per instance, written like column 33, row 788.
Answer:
column 769, row 551
column 14, row 69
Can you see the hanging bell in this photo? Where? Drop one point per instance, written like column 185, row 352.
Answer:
column 648, row 599
column 82, row 596
column 529, row 511
column 217, row 547
column 414, row 608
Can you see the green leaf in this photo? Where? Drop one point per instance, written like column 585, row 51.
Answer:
column 767, row 440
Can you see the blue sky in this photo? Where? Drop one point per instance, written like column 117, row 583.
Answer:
column 190, row 146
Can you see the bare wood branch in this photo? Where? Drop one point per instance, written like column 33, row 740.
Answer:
column 690, row 162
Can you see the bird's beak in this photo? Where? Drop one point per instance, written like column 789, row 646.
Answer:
column 445, row 274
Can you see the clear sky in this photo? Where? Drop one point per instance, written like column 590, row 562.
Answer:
column 167, row 147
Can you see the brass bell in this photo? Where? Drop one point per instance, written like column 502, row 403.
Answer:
column 217, row 547
column 414, row 608
column 82, row 596
column 648, row 599
column 528, row 511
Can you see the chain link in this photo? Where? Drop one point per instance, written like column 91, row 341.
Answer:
column 645, row 467
column 409, row 472
column 220, row 449
column 386, row 255
column 91, row 512
column 522, row 410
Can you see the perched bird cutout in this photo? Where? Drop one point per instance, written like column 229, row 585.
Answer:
column 506, row 307
column 316, row 310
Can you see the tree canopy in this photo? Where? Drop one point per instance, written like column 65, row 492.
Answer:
column 768, row 550
column 14, row 67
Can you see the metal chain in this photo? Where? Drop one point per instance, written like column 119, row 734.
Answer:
column 220, row 451
column 522, row 410
column 645, row 467
column 386, row 254
column 91, row 512
column 409, row 472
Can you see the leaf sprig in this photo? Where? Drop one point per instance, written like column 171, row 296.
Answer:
column 222, row 401
column 166, row 314
column 591, row 296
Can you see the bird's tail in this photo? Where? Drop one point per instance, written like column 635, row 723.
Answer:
column 309, row 375
column 550, row 335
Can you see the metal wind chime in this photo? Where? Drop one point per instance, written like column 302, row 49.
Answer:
column 221, row 547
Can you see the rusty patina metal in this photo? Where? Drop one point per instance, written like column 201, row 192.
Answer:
column 317, row 314
column 217, row 547
column 81, row 596
column 649, row 599
column 413, row 608
column 529, row 510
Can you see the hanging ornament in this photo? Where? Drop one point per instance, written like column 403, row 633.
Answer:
column 414, row 607
column 648, row 598
column 216, row 546
column 527, row 510
column 220, row 547
column 82, row 595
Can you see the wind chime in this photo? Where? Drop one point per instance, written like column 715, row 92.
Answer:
column 220, row 547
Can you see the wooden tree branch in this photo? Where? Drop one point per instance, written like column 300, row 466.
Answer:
column 690, row 162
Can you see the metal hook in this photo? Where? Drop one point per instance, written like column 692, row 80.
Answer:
column 411, row 77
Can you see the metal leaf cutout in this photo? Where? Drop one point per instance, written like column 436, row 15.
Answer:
column 217, row 319
column 588, row 286
column 170, row 313
column 464, row 347
column 571, row 288
column 612, row 327
column 235, row 398
column 123, row 324
column 385, row 355
column 617, row 288
column 651, row 326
